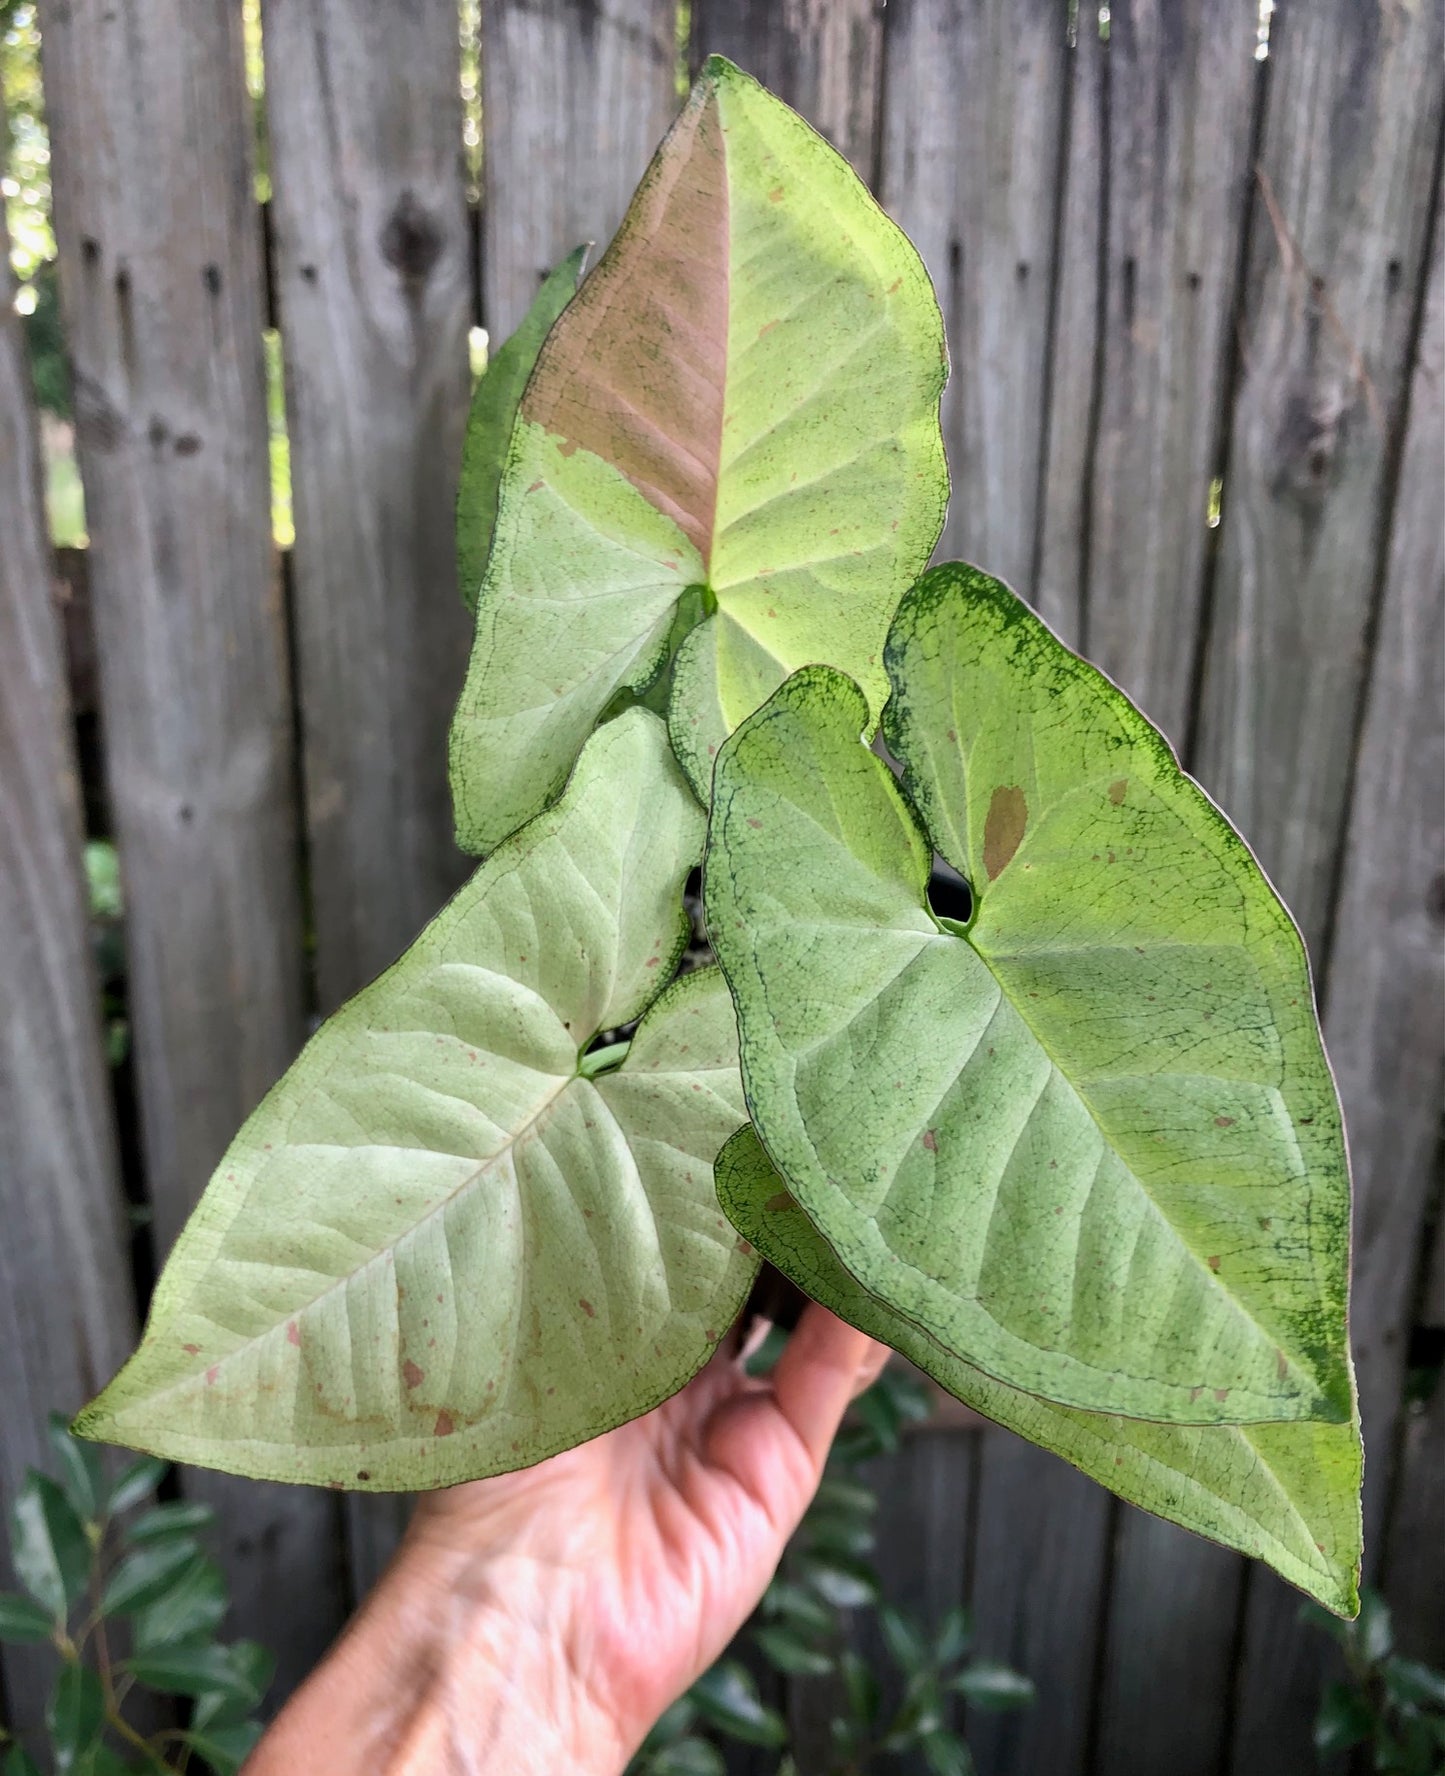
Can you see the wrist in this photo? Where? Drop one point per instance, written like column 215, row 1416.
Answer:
column 455, row 1662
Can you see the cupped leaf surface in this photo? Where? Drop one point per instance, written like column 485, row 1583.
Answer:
column 1288, row 1494
column 451, row 1241
column 743, row 396
column 1090, row 1144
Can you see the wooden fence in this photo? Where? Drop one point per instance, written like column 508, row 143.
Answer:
column 1191, row 264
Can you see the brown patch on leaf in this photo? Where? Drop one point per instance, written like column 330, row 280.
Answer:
column 1003, row 830
column 640, row 382
column 587, row 1307
column 293, row 1333
column 411, row 1375
column 930, row 1140
column 1213, row 1262
column 1224, row 1122
column 444, row 1425
column 776, row 1204
column 1221, row 1394
column 191, row 1350
column 1117, row 789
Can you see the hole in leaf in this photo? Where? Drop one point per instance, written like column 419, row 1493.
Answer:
column 949, row 895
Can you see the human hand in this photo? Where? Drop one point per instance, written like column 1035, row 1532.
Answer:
column 541, row 1621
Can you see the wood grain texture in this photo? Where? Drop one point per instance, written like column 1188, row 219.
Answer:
column 66, row 1312
column 1182, row 83
column 972, row 131
column 1351, row 137
column 161, row 285
column 1414, row 1563
column 1040, row 1557
column 1061, row 544
column 1386, row 982
column 372, row 282
column 1169, row 1651
column 576, row 96
column 1350, row 133
column 823, row 56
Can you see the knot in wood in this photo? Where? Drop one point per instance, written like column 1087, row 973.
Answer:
column 412, row 239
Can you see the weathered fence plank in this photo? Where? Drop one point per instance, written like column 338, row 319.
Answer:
column 1349, row 139
column 823, row 56
column 575, row 98
column 1386, row 982
column 1182, row 84
column 1040, row 1558
column 161, row 283
column 373, row 286
column 1071, row 420
column 1058, row 570
column 1169, row 1654
column 1414, row 1566
column 66, row 1313
column 972, row 143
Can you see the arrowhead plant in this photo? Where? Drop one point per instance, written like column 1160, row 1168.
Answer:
column 1077, row 1154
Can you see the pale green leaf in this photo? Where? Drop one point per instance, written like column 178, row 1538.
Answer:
column 489, row 424
column 742, row 396
column 1285, row 1493
column 438, row 1249
column 1092, row 1142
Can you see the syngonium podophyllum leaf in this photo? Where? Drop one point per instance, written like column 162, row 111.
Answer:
column 453, row 1239
column 1288, row 1494
column 742, row 397
column 493, row 414
column 1090, row 1143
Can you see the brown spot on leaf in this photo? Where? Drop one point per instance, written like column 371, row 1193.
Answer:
column 568, row 447
column 536, row 486
column 444, row 1425
column 1266, row 1222
column 587, row 1307
column 1194, row 1394
column 1221, row 1394
column 776, row 194
column 1224, row 1122
column 1003, row 830
column 1117, row 789
column 1213, row 1262
column 191, row 1350
column 212, row 1375
column 411, row 1375
column 766, row 327
column 755, row 823
column 363, row 1473
column 1281, row 1364
column 930, row 1140
column 775, row 1204
column 293, row 1333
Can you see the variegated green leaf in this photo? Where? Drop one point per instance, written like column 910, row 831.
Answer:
column 742, row 397
column 1289, row 1494
column 457, row 1238
column 1089, row 1143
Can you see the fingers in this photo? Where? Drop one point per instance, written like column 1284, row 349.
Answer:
column 871, row 1368
column 819, row 1373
